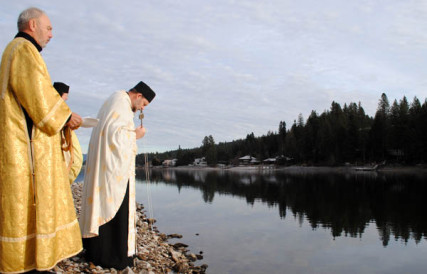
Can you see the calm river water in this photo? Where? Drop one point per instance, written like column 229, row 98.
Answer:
column 294, row 222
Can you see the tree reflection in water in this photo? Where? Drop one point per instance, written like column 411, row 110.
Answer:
column 345, row 203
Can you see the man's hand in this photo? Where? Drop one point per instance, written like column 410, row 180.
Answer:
column 140, row 132
column 75, row 121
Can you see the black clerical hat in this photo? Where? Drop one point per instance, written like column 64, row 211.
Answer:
column 61, row 88
column 145, row 90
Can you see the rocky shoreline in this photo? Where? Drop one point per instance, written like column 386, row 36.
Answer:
column 154, row 254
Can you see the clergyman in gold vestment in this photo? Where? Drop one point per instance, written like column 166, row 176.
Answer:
column 38, row 225
column 70, row 143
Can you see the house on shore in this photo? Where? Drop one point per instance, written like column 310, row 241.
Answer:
column 169, row 163
column 200, row 162
column 279, row 160
column 248, row 160
column 269, row 161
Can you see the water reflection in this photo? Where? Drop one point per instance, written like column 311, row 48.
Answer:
column 345, row 203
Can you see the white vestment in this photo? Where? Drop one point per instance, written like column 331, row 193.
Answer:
column 110, row 166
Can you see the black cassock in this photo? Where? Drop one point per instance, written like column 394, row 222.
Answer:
column 109, row 249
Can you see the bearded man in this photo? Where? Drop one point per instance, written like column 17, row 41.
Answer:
column 108, row 211
column 38, row 224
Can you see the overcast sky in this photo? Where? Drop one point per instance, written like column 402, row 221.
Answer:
column 228, row 68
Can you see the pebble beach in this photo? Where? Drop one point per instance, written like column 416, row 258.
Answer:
column 154, row 253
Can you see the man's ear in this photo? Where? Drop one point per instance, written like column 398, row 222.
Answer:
column 32, row 24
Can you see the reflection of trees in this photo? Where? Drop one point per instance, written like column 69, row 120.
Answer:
column 343, row 203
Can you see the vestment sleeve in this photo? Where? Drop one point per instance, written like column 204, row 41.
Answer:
column 33, row 88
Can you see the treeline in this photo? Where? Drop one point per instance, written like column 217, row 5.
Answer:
column 397, row 133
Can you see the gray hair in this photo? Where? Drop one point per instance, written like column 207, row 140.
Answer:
column 27, row 15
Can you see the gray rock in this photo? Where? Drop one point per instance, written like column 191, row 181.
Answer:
column 179, row 245
column 127, row 270
column 192, row 257
column 176, row 236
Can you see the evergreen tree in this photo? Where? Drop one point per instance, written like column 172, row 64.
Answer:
column 209, row 150
column 282, row 137
column 416, row 132
column 312, row 137
column 380, row 129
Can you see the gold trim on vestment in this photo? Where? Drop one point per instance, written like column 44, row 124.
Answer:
column 39, row 236
column 50, row 114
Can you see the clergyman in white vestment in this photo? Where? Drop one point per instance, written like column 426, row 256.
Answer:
column 107, row 219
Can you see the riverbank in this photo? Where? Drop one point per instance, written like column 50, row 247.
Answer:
column 154, row 253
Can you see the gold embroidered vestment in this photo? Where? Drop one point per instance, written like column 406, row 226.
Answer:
column 38, row 225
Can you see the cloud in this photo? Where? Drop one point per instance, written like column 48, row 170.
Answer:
column 230, row 68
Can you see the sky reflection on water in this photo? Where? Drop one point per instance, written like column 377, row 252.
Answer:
column 283, row 223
